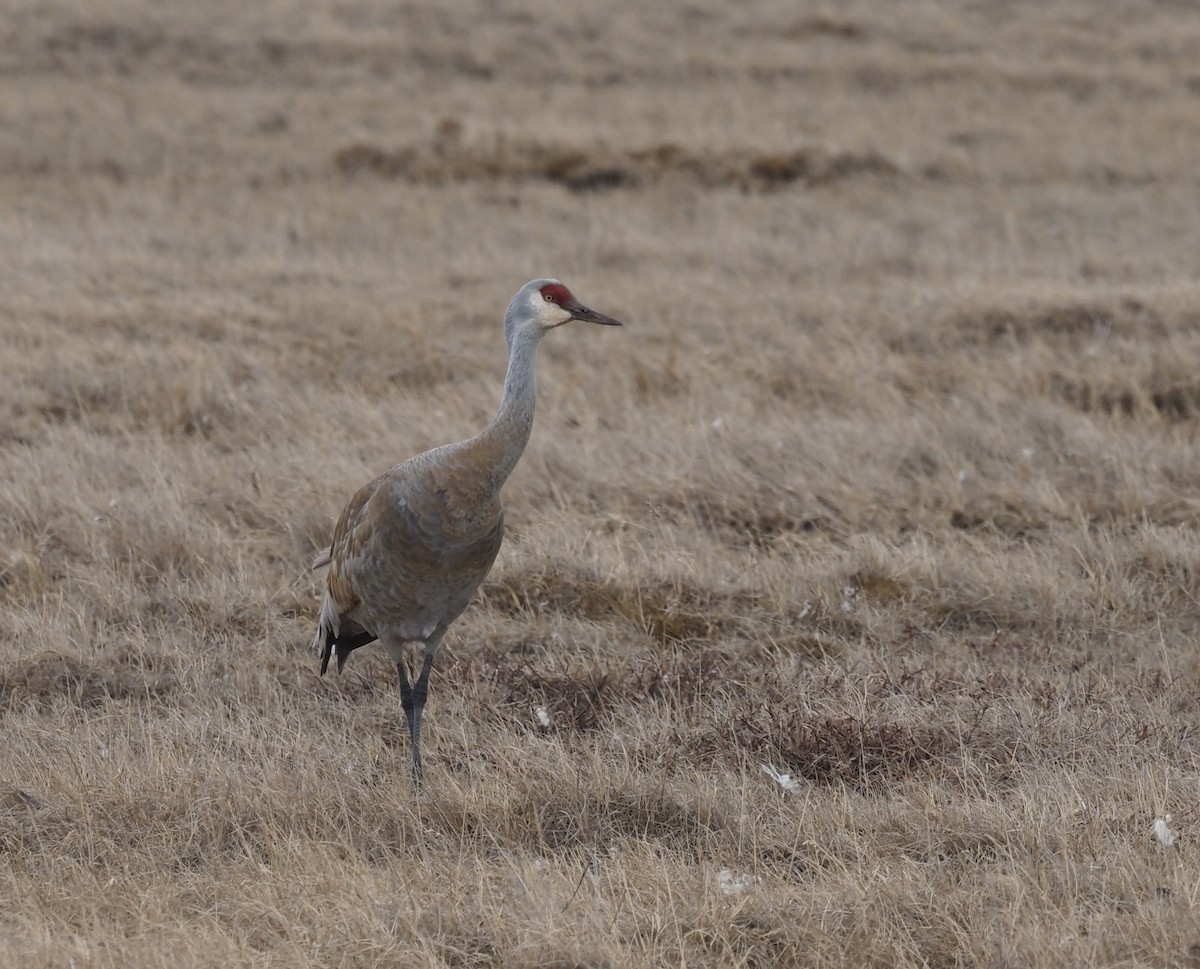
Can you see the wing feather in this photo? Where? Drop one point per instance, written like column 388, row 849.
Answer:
column 407, row 555
column 349, row 535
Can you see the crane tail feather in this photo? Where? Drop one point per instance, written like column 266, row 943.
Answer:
column 328, row 627
column 333, row 633
column 348, row 644
column 325, row 653
column 344, row 646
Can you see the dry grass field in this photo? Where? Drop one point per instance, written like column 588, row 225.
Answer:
column 890, row 483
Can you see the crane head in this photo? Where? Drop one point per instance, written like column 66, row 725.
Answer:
column 547, row 303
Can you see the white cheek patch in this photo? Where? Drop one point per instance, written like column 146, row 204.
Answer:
column 550, row 314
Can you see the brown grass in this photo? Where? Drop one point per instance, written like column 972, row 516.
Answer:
column 890, row 482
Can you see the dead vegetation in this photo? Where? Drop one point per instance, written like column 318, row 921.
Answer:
column 48, row 678
column 593, row 169
column 848, row 609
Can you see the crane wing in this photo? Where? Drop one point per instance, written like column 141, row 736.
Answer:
column 406, row 558
column 335, row 628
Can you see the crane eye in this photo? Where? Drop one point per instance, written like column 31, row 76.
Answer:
column 549, row 298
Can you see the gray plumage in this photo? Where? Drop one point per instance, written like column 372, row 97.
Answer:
column 412, row 546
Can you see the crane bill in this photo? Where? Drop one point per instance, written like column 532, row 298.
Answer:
column 586, row 315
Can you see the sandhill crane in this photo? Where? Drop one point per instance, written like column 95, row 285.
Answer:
column 411, row 547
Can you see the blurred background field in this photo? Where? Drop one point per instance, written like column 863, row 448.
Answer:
column 889, row 483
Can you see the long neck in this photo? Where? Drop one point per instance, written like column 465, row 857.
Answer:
column 508, row 433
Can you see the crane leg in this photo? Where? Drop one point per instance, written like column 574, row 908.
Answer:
column 412, row 701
